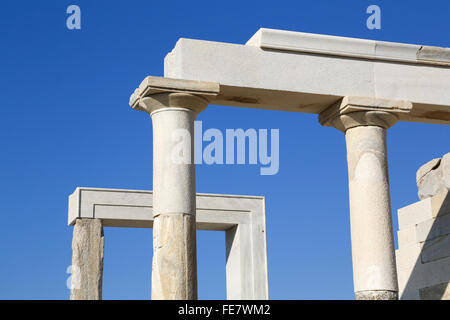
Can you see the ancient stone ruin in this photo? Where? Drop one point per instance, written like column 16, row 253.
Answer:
column 360, row 87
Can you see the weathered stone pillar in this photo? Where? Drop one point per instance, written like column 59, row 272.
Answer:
column 365, row 122
column 173, row 106
column 87, row 260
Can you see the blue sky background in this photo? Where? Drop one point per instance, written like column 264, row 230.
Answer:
column 65, row 122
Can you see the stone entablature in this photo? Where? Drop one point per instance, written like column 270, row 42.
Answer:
column 299, row 72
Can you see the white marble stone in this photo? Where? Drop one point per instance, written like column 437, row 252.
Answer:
column 423, row 275
column 300, row 72
column 423, row 257
column 436, row 249
column 87, row 260
column 426, row 168
column 408, row 256
column 434, row 177
column 365, row 121
column 370, row 212
column 437, row 292
column 347, row 47
column 406, row 236
column 426, row 209
column 433, row 228
column 173, row 106
column 414, row 213
column 241, row 217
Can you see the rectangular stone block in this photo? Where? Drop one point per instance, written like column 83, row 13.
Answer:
column 403, row 275
column 414, row 213
column 134, row 208
column 408, row 256
column 296, row 72
column 437, row 292
column 433, row 228
column 436, row 249
column 88, row 245
column 409, row 295
column 440, row 204
column 423, row 257
column 406, row 237
column 293, row 41
column 424, row 275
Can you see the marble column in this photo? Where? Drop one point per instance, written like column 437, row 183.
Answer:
column 173, row 111
column 365, row 123
column 87, row 260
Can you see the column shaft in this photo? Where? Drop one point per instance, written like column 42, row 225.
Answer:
column 87, row 260
column 173, row 105
column 365, row 121
column 174, row 270
column 373, row 255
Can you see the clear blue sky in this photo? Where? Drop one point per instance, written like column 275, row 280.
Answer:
column 65, row 122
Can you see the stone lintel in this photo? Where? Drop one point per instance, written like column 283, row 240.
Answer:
column 134, row 208
column 364, row 110
column 152, row 85
column 301, row 80
column 292, row 41
column 241, row 217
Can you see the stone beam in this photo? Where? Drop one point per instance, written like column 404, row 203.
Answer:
column 301, row 72
column 241, row 217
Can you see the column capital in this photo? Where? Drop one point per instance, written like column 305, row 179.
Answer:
column 351, row 111
column 156, row 93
